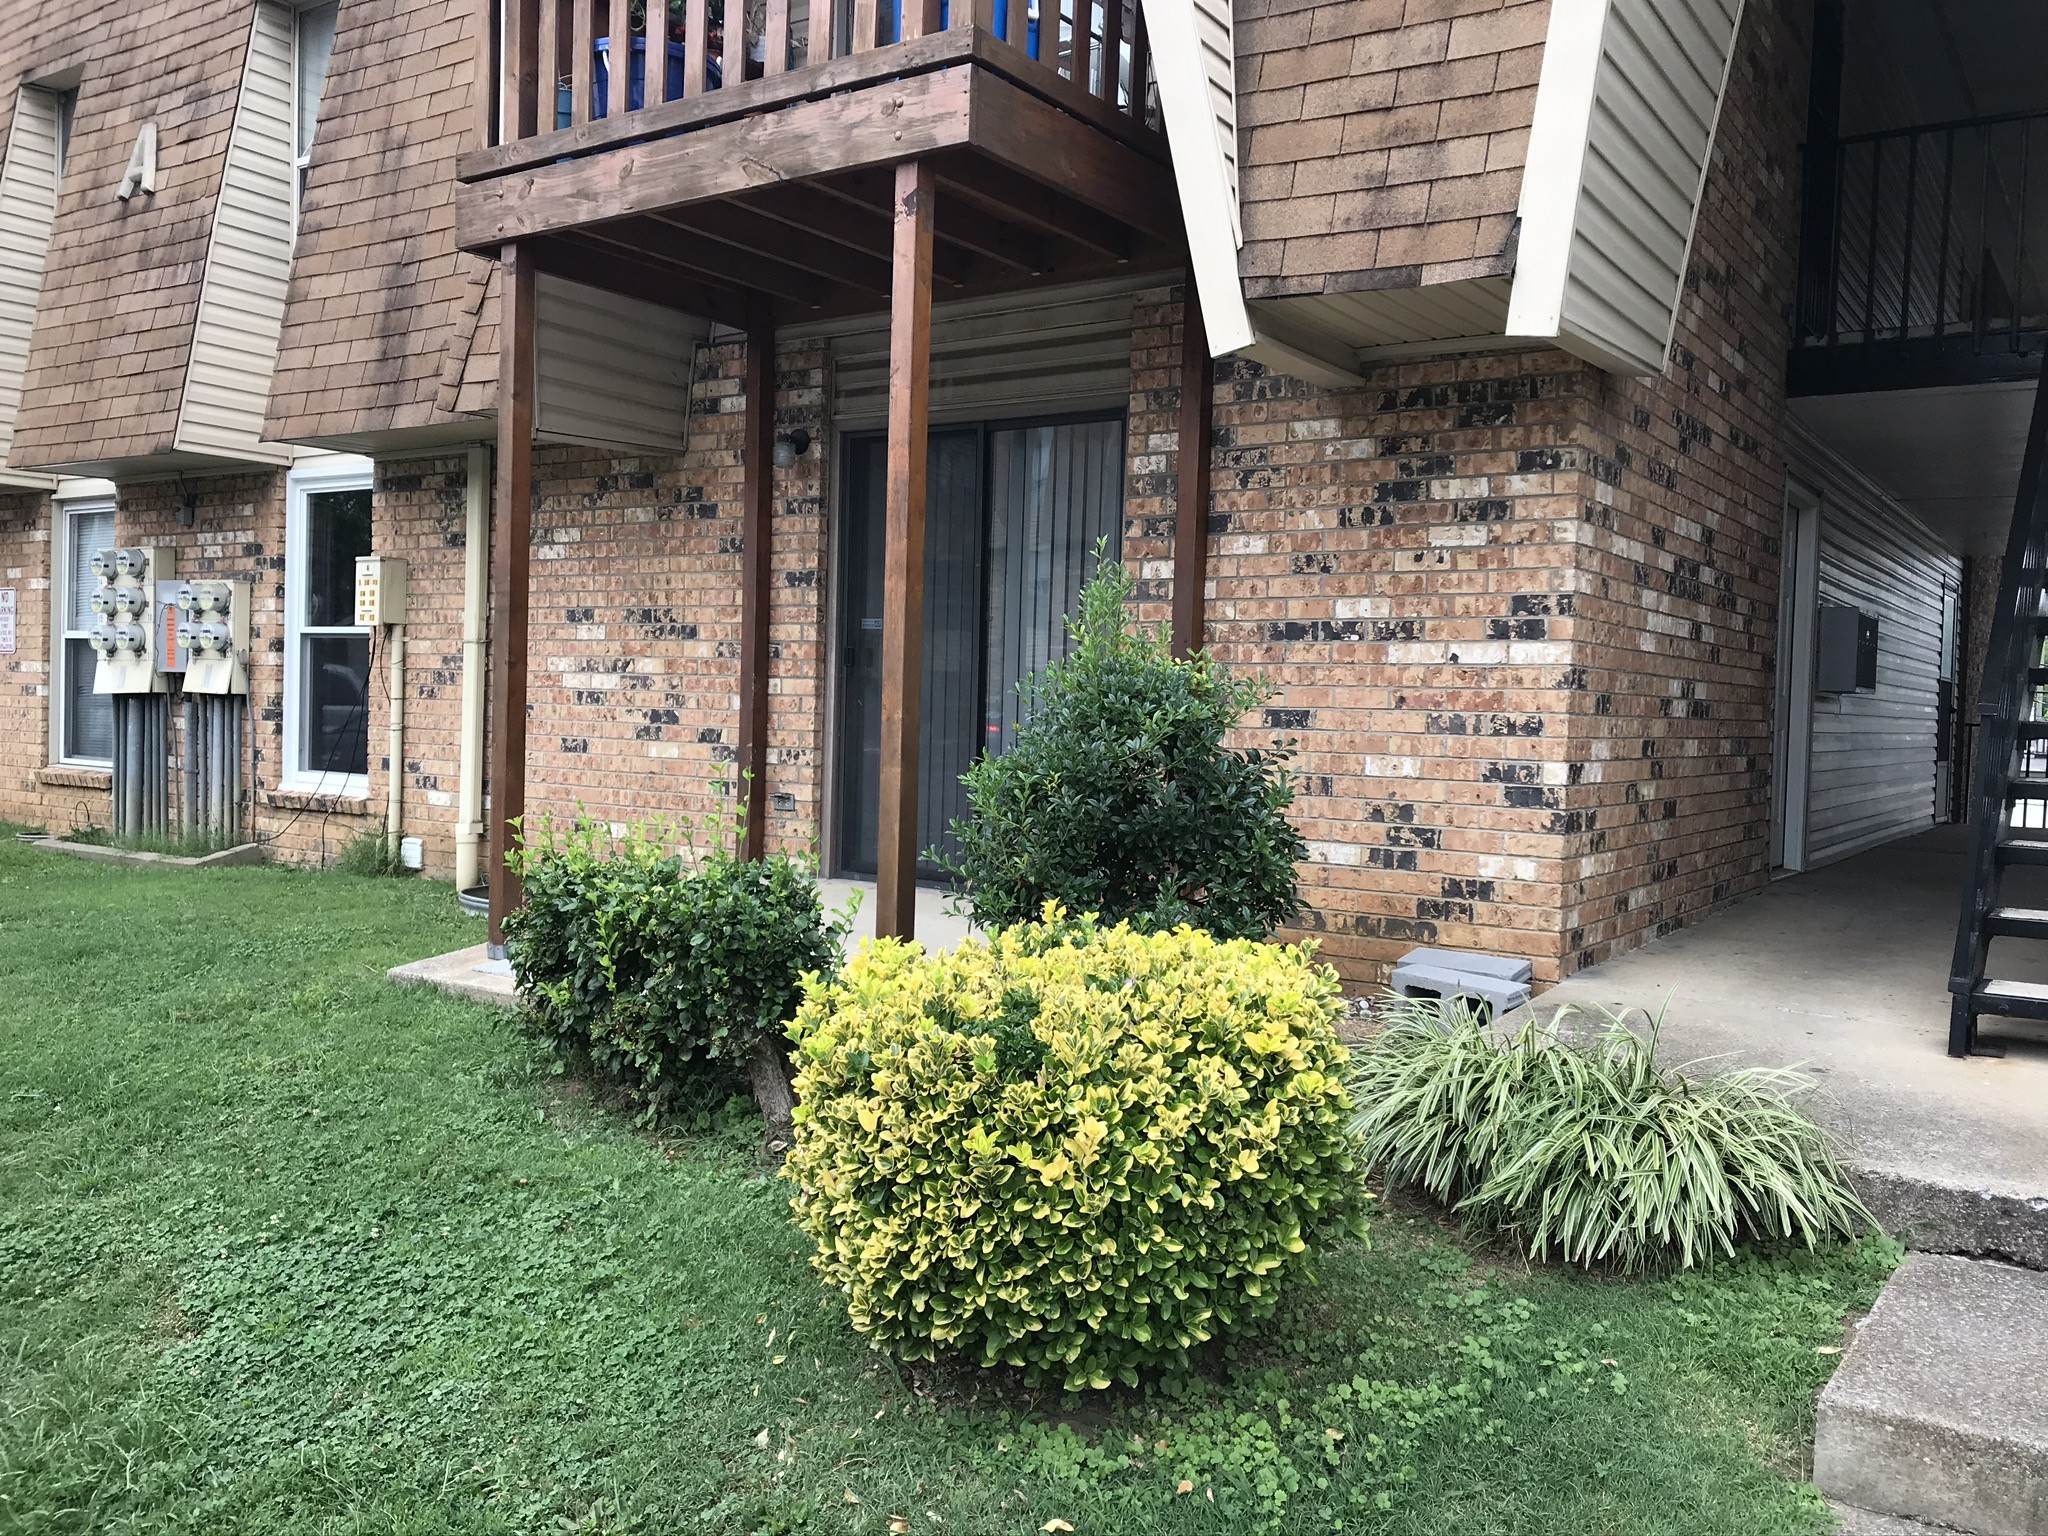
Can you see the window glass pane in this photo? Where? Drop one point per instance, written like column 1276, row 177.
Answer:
column 88, row 716
column 337, row 531
column 91, row 532
column 336, row 730
column 316, row 44
column 1054, row 491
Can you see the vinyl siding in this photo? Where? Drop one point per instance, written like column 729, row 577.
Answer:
column 248, row 260
column 28, row 207
column 611, row 372
column 1040, row 353
column 1605, row 257
column 1873, row 772
column 1214, row 34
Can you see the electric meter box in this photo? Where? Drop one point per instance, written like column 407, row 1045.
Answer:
column 125, row 634
column 213, row 628
column 1847, row 650
column 380, row 590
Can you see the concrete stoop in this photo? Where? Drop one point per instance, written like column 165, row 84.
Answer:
column 1939, row 1411
column 1940, row 1214
column 1850, row 1521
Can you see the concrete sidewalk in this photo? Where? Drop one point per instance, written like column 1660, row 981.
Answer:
column 1846, row 970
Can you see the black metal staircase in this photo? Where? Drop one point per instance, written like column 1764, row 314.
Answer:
column 2009, row 805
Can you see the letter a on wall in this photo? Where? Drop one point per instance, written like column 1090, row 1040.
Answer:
column 141, row 173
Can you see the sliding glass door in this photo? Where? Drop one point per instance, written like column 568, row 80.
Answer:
column 1013, row 512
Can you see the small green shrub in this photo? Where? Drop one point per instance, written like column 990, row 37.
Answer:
column 1075, row 1149
column 1580, row 1144
column 653, row 962
column 1119, row 796
column 371, row 853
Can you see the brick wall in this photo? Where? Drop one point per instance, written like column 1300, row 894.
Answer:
column 1401, row 563
column 1520, row 613
column 633, row 656
column 1679, row 556
column 634, row 666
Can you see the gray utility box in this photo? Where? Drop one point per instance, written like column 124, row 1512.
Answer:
column 1847, row 650
column 1499, row 984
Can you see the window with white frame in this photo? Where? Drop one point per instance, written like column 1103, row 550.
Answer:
column 312, row 47
column 327, row 654
column 82, row 722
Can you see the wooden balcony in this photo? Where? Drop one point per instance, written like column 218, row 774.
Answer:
column 847, row 160
column 747, row 176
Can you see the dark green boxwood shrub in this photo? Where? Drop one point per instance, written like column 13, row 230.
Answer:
column 1120, row 797
column 656, row 963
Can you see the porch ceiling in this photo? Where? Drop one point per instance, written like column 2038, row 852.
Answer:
column 790, row 209
column 1951, row 456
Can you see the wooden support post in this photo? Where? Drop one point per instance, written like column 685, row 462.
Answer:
column 758, row 464
column 910, row 359
column 1191, row 477
column 511, row 552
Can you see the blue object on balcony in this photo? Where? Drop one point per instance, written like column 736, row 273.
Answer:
column 636, row 80
column 1002, row 22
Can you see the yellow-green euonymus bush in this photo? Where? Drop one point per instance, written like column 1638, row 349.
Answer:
column 1075, row 1149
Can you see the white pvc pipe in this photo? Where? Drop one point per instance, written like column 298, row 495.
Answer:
column 476, row 567
column 394, row 825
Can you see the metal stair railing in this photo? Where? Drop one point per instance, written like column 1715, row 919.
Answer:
column 2009, row 690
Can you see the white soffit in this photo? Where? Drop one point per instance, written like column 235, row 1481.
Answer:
column 1626, row 109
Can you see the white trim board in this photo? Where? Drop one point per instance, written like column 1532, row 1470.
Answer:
column 240, row 318
column 1204, row 169
column 340, row 472
column 29, row 175
column 1627, row 108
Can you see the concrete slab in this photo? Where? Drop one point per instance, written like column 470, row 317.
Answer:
column 220, row 858
column 937, row 928
column 1939, row 1410
column 1846, row 970
column 473, row 974
column 470, row 973
column 1850, row 1521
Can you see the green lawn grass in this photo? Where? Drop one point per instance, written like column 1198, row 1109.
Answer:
column 284, row 1248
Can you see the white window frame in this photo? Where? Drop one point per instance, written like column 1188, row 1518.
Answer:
column 335, row 474
column 62, row 510
column 302, row 154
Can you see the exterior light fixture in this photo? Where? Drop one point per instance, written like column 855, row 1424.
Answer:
column 791, row 446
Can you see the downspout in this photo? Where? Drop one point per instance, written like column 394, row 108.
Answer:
column 469, row 790
column 394, row 802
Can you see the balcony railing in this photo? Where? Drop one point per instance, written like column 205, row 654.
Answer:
column 1925, row 249
column 554, row 64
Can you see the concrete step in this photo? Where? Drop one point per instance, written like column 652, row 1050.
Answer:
column 1945, row 1214
column 1850, row 1521
column 1939, row 1412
